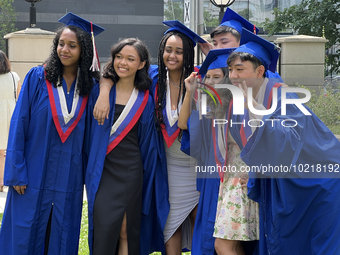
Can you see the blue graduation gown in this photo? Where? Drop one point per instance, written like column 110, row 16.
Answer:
column 52, row 171
column 96, row 142
column 297, row 215
column 202, row 149
column 275, row 77
column 152, row 238
column 161, row 203
column 196, row 143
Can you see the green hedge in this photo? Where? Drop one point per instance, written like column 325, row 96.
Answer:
column 327, row 107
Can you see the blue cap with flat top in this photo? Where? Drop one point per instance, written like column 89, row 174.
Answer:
column 175, row 25
column 72, row 19
column 215, row 59
column 236, row 21
column 265, row 51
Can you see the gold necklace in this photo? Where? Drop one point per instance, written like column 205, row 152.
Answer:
column 174, row 83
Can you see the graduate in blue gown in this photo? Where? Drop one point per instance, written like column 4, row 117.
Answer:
column 122, row 156
column 298, row 209
column 229, row 33
column 44, row 163
column 202, row 148
column 175, row 61
column 155, row 187
column 167, row 136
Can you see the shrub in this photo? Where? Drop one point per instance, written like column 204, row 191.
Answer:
column 327, row 108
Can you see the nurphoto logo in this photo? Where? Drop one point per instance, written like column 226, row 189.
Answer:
column 238, row 104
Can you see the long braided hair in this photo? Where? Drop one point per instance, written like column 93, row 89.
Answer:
column 54, row 68
column 187, row 69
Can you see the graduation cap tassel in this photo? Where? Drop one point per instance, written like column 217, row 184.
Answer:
column 254, row 29
column 95, row 62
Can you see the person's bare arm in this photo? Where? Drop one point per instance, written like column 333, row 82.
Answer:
column 184, row 114
column 102, row 107
column 18, row 89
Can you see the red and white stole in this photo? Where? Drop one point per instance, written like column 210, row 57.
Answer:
column 170, row 130
column 64, row 121
column 128, row 118
column 264, row 97
column 221, row 147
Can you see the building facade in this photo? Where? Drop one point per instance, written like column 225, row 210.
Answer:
column 136, row 18
column 256, row 11
column 121, row 19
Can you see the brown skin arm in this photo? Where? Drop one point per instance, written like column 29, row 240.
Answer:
column 102, row 107
column 184, row 114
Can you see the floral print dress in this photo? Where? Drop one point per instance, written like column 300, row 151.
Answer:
column 237, row 216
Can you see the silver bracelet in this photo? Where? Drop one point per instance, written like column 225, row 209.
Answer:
column 105, row 84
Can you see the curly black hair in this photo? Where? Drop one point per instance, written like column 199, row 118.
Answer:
column 142, row 79
column 54, row 68
column 187, row 69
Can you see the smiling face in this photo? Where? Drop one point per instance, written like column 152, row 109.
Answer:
column 173, row 53
column 240, row 71
column 214, row 76
column 225, row 40
column 127, row 62
column 69, row 49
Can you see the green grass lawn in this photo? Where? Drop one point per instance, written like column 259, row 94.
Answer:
column 83, row 245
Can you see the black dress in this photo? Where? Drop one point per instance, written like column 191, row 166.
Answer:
column 119, row 192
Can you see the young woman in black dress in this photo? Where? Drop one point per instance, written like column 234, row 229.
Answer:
column 121, row 153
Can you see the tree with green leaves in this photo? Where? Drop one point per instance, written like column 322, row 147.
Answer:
column 210, row 20
column 7, row 21
column 173, row 10
column 311, row 17
column 246, row 13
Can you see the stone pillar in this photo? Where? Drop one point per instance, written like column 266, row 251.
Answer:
column 302, row 60
column 28, row 48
